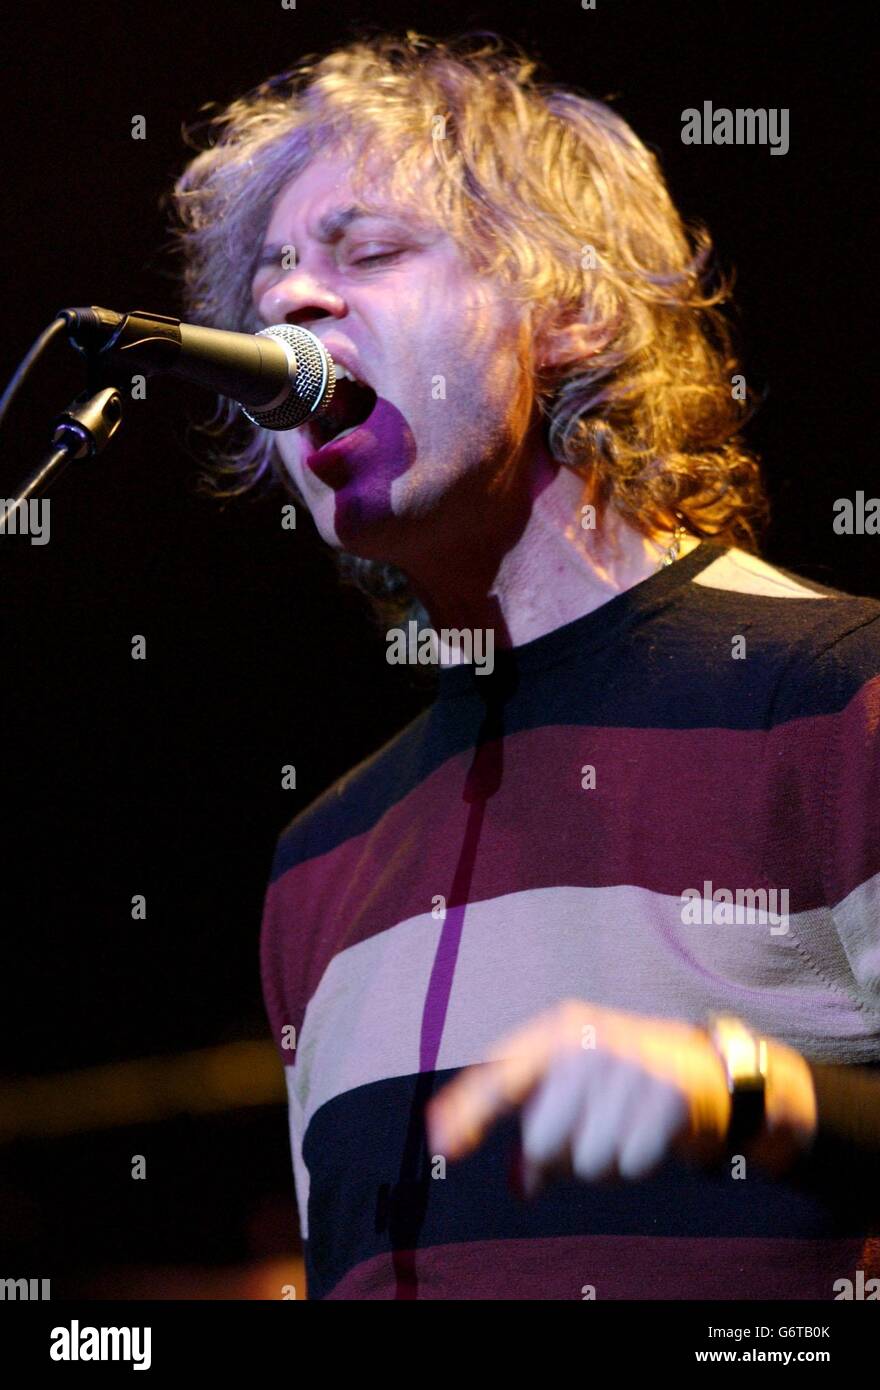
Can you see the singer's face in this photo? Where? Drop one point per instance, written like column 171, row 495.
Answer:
column 395, row 299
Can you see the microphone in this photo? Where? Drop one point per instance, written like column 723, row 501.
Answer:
column 280, row 377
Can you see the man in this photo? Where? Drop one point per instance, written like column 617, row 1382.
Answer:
column 577, row 981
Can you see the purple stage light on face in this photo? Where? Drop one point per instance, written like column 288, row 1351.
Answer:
column 361, row 468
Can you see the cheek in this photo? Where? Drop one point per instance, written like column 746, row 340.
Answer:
column 482, row 337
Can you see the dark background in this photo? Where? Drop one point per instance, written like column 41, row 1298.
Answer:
column 163, row 776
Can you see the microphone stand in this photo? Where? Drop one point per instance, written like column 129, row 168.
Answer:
column 81, row 431
column 245, row 367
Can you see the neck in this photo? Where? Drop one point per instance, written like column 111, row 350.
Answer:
column 552, row 571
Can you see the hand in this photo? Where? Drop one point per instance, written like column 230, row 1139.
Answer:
column 606, row 1093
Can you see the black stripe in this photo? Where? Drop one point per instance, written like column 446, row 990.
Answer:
column 371, row 1191
column 670, row 669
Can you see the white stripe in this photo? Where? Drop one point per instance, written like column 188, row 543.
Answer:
column 621, row 947
column 300, row 1171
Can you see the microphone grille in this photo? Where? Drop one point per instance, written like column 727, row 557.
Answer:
column 311, row 384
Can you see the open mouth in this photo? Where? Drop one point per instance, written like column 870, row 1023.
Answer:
column 352, row 403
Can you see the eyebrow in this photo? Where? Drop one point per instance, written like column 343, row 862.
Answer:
column 330, row 229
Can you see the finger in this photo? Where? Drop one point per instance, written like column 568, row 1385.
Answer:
column 649, row 1141
column 614, row 1096
column 459, row 1116
column 551, row 1115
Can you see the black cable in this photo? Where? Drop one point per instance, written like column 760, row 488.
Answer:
column 21, row 372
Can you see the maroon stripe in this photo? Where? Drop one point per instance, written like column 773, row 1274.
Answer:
column 852, row 848
column 619, row 1267
column 671, row 809
column 484, row 780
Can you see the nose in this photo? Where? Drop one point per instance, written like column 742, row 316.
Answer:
column 299, row 298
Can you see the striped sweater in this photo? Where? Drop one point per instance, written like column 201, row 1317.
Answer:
column 577, row 825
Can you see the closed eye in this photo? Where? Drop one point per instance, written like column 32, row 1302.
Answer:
column 378, row 256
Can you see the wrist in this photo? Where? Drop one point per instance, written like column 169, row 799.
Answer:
column 790, row 1111
column 772, row 1113
column 742, row 1055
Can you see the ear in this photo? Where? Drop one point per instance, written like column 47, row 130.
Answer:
column 570, row 343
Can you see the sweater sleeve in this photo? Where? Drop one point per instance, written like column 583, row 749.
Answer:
column 848, row 1105
column 844, row 1161
column 276, row 956
column 851, row 809
column 843, row 1164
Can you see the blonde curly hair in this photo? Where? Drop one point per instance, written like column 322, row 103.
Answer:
column 548, row 190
